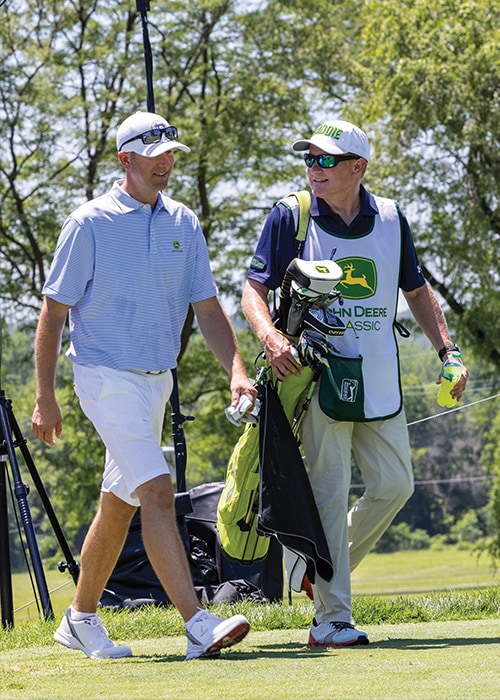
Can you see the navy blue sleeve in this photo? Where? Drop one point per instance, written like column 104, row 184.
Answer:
column 411, row 276
column 275, row 249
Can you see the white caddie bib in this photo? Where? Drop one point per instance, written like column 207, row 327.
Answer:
column 370, row 286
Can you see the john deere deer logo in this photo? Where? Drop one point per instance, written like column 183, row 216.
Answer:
column 360, row 278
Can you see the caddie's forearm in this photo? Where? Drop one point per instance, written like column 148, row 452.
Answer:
column 256, row 310
column 427, row 312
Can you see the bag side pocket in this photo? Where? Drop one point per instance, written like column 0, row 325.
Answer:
column 341, row 389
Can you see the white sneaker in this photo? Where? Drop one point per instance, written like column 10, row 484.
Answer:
column 335, row 634
column 208, row 634
column 90, row 636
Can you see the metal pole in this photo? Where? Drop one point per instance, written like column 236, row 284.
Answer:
column 143, row 8
column 178, row 436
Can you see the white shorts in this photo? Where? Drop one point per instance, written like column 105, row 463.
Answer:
column 127, row 409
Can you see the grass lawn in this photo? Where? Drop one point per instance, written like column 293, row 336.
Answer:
column 418, row 571
column 457, row 660
column 423, row 646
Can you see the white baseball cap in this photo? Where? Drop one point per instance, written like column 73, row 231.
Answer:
column 148, row 135
column 337, row 137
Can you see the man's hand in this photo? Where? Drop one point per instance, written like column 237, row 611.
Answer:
column 281, row 355
column 278, row 350
column 458, row 389
column 46, row 422
column 241, row 386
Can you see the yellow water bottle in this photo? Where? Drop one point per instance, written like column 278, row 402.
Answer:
column 450, row 374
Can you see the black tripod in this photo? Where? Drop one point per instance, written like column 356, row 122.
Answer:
column 12, row 438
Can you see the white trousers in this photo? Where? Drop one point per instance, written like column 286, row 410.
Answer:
column 127, row 410
column 382, row 452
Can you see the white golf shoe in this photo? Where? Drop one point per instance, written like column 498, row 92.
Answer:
column 208, row 634
column 335, row 634
column 90, row 636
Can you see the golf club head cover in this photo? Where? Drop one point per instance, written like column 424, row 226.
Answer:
column 306, row 282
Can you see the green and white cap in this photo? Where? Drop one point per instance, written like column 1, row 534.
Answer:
column 337, row 137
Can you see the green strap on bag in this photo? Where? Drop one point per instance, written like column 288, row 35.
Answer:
column 303, row 197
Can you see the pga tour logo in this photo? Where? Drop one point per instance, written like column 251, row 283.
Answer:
column 349, row 390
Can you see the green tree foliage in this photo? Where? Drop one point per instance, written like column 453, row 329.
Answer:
column 60, row 80
column 70, row 73
column 205, row 394
column 402, row 536
column 490, row 460
column 422, row 78
column 428, row 80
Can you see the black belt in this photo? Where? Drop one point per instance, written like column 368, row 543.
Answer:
column 147, row 371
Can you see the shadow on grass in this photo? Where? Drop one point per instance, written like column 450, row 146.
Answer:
column 291, row 650
column 296, row 650
column 433, row 643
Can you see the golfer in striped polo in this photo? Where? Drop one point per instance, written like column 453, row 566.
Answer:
column 126, row 268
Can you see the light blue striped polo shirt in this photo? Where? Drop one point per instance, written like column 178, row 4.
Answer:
column 129, row 274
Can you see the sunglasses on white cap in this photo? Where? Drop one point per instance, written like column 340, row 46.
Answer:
column 154, row 135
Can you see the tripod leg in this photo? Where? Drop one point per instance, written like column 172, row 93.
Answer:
column 70, row 562
column 21, row 493
column 6, row 599
column 182, row 498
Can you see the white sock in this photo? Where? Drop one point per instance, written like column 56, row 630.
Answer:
column 77, row 616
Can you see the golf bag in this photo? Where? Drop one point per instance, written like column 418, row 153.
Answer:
column 237, row 510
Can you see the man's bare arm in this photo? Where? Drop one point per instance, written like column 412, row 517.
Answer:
column 218, row 332
column 46, row 421
column 277, row 348
column 429, row 316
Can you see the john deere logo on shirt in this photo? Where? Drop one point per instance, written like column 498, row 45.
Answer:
column 360, row 278
column 176, row 245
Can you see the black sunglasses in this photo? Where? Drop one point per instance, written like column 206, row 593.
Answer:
column 154, row 135
column 326, row 160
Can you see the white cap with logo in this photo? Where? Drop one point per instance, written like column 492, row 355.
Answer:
column 337, row 137
column 148, row 135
